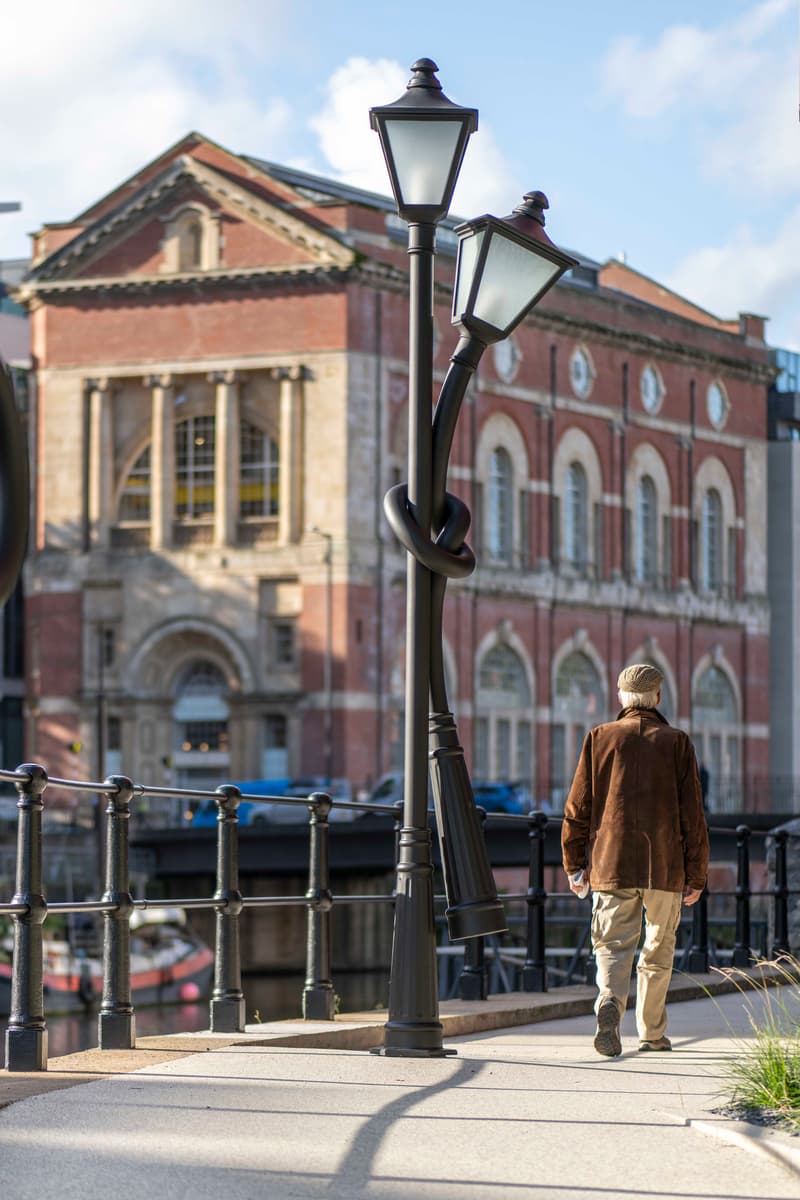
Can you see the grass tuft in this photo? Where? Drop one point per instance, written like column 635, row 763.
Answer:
column 765, row 1075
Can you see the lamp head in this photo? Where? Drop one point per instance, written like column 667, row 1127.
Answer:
column 423, row 137
column 504, row 267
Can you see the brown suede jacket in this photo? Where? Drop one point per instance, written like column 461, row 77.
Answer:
column 635, row 802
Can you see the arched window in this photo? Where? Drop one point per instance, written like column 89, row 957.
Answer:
column 711, row 561
column 717, row 738
column 200, row 727
column 259, row 473
column 191, row 245
column 134, row 504
column 578, row 706
column 194, row 468
column 646, row 531
column 499, row 510
column 576, row 517
column 504, row 718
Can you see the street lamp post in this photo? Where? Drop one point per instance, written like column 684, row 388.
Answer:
column 327, row 670
column 503, row 268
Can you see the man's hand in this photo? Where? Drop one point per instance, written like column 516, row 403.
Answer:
column 577, row 888
column 691, row 896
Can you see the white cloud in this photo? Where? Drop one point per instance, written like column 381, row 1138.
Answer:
column 98, row 89
column 353, row 151
column 749, row 274
column 688, row 64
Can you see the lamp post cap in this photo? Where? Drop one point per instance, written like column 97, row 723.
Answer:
column 533, row 205
column 424, row 74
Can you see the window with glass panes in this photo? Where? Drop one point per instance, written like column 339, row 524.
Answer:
column 575, row 515
column 503, row 725
column 134, row 504
column 711, row 560
column 194, row 467
column 259, row 473
column 717, row 738
column 578, row 706
column 646, row 530
column 499, row 514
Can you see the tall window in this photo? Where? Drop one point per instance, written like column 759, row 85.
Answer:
column 503, row 727
column 275, row 763
column 646, row 531
column 499, row 514
column 578, row 706
column 716, row 733
column 134, row 502
column 194, row 467
column 259, row 473
column 576, row 524
column 191, row 245
column 711, row 562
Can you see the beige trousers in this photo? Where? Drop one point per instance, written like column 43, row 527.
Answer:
column 616, row 929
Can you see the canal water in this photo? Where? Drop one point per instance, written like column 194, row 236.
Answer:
column 267, row 998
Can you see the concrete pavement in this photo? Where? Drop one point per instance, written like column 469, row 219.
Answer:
column 523, row 1111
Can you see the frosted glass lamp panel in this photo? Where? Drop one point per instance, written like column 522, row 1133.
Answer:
column 468, row 250
column 423, row 153
column 512, row 277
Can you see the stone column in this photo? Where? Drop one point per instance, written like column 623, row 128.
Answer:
column 101, row 463
column 226, row 440
column 291, row 452
column 162, row 462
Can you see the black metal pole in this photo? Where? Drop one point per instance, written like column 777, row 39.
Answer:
column 227, row 998
column 319, row 1000
column 780, row 893
column 116, row 1022
column 698, row 955
column 26, row 1035
column 742, row 953
column 14, row 488
column 413, row 1028
column 534, row 972
column 100, row 755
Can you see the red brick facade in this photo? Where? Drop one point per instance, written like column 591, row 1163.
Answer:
column 604, row 528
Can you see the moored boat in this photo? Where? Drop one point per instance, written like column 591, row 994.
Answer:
column 169, row 965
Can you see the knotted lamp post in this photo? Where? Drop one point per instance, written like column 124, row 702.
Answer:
column 503, row 268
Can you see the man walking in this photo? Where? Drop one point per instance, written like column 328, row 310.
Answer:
column 634, row 824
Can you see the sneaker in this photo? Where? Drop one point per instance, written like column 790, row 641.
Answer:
column 606, row 1039
column 662, row 1043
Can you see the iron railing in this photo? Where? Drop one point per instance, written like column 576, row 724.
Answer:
column 26, row 1035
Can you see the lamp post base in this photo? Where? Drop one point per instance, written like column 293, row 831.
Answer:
column 407, row 1039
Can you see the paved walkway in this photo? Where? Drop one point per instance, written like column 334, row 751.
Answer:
column 529, row 1111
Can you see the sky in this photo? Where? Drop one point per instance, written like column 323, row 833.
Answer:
column 664, row 131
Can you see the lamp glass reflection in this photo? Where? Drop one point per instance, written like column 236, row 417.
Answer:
column 423, row 154
column 468, row 250
column 512, row 276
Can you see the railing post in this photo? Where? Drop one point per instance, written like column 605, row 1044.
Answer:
column 534, row 972
column 116, row 1022
column 227, row 998
column 473, row 982
column 780, row 892
column 319, row 1000
column 26, row 1035
column 698, row 955
column 742, row 951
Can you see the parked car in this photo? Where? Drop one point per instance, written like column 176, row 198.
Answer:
column 502, row 797
column 206, row 815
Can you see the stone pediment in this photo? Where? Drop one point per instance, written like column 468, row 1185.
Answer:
column 238, row 232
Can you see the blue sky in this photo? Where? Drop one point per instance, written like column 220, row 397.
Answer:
column 667, row 131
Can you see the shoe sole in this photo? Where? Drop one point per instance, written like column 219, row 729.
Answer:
column 607, row 1040
column 648, row 1048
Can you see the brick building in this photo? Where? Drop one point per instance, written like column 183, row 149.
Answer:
column 220, row 346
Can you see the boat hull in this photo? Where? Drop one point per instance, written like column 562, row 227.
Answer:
column 182, row 982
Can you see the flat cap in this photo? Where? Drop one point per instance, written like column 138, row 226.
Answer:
column 640, row 678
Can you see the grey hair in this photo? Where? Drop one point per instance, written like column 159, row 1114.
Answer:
column 638, row 699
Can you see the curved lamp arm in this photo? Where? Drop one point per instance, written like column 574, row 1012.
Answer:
column 14, row 488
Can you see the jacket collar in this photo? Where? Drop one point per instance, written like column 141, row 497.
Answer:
column 647, row 713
